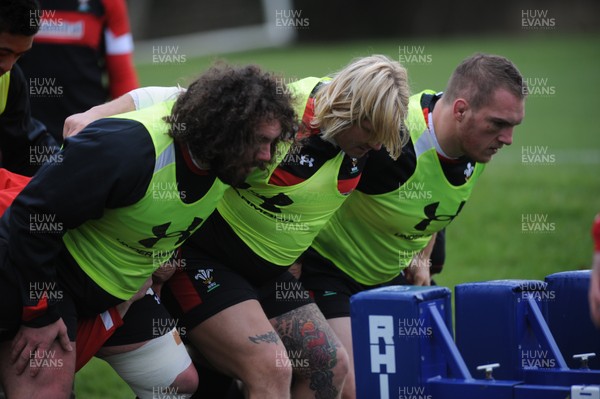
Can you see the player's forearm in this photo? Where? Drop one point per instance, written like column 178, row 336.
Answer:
column 76, row 122
column 134, row 100
column 418, row 273
column 426, row 252
column 117, row 106
column 147, row 96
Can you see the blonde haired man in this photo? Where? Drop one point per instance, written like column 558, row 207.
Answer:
column 388, row 224
column 242, row 309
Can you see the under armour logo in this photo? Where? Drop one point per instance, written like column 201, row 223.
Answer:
column 430, row 210
column 270, row 204
column 305, row 160
column 154, row 296
column 273, row 203
column 468, row 171
column 83, row 6
column 160, row 232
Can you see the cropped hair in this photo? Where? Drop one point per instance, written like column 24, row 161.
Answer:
column 373, row 89
column 218, row 116
column 478, row 76
column 19, row 17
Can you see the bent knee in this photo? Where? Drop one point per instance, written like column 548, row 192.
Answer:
column 270, row 369
column 343, row 361
column 139, row 367
column 187, row 381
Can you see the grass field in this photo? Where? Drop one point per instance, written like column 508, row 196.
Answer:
column 530, row 215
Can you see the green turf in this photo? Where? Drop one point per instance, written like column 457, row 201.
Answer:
column 487, row 240
column 97, row 380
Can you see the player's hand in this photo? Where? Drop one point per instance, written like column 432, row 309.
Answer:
column 417, row 273
column 76, row 122
column 34, row 343
column 296, row 270
column 161, row 275
column 123, row 307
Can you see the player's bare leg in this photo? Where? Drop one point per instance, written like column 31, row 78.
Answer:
column 241, row 342
column 319, row 359
column 185, row 383
column 53, row 381
column 342, row 328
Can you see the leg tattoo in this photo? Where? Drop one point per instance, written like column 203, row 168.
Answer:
column 269, row 338
column 306, row 335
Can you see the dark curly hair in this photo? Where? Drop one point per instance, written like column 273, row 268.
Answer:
column 217, row 117
column 19, row 17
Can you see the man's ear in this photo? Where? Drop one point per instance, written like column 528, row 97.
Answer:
column 459, row 108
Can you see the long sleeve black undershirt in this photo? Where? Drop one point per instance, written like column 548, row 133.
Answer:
column 19, row 132
column 107, row 165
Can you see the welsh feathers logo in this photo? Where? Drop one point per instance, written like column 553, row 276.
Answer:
column 207, row 278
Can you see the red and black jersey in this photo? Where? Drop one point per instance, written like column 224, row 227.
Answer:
column 91, row 332
column 310, row 152
column 120, row 180
column 78, row 44
column 382, row 174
